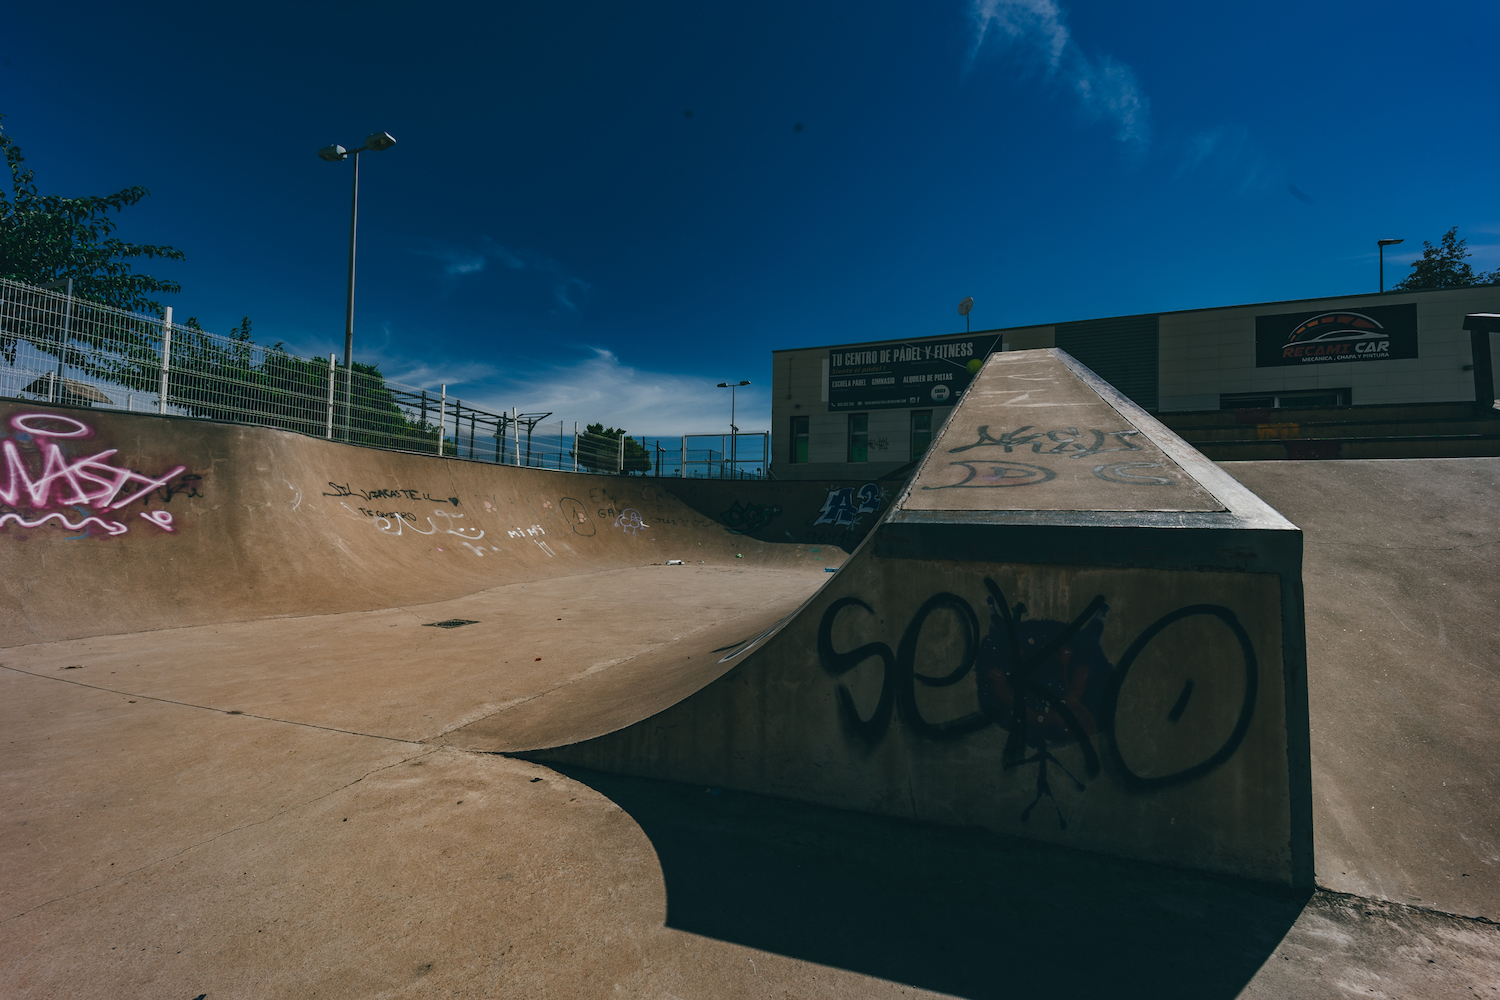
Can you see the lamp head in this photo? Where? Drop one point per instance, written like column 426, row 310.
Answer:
column 379, row 140
column 333, row 154
column 1386, row 243
column 723, row 385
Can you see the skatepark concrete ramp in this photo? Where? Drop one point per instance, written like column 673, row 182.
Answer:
column 299, row 576
column 1070, row 626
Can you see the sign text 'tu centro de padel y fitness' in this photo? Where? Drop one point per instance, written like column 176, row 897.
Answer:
column 895, row 374
column 1373, row 333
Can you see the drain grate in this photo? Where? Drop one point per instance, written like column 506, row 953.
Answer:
column 450, row 623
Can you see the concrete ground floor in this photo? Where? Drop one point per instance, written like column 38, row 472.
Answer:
column 170, row 850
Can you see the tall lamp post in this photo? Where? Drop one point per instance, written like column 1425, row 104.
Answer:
column 375, row 141
column 1382, row 244
column 733, row 430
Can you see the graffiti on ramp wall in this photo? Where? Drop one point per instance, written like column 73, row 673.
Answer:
column 51, row 478
column 1049, row 685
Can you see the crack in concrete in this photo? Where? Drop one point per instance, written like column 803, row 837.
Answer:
column 206, row 708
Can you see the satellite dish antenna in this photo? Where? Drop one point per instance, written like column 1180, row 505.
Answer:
column 963, row 310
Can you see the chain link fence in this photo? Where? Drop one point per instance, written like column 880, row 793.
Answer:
column 57, row 348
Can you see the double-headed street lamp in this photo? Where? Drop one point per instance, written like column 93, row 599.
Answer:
column 1382, row 244
column 375, row 141
column 733, row 430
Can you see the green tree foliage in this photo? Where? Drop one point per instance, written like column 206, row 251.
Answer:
column 218, row 381
column 599, row 451
column 45, row 237
column 1445, row 266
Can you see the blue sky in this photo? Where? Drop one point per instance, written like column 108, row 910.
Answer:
column 555, row 231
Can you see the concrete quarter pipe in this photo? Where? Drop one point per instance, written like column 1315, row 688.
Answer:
column 1070, row 626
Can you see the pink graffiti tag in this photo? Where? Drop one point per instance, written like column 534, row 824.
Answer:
column 113, row 527
column 90, row 481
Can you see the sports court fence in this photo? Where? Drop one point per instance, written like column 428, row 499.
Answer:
column 59, row 348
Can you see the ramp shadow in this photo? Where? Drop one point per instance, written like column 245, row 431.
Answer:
column 962, row 912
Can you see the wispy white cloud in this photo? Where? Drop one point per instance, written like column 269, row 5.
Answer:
column 569, row 292
column 1105, row 87
column 601, row 388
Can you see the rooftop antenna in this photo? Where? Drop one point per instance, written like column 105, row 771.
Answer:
column 963, row 310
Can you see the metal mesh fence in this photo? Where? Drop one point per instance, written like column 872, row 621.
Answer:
column 58, row 348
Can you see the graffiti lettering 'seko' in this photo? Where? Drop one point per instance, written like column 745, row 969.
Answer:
column 40, row 484
column 1047, row 683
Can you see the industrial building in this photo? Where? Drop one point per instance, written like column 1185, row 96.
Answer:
column 1386, row 374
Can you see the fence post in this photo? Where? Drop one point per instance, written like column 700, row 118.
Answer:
column 329, row 433
column 515, row 426
column 166, row 359
column 620, row 460
column 575, row 446
column 682, row 472
column 442, row 417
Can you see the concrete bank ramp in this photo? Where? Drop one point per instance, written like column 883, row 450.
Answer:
column 273, row 574
column 1070, row 626
column 1403, row 634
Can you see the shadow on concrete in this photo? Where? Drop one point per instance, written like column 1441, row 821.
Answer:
column 955, row 911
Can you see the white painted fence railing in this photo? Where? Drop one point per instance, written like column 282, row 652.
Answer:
column 58, row 348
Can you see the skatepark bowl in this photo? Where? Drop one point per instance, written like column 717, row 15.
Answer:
column 1080, row 714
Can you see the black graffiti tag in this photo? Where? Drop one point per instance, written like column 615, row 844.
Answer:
column 1067, row 441
column 1046, row 683
column 343, row 490
column 744, row 518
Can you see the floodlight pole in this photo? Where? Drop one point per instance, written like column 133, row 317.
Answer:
column 349, row 301
column 333, row 154
column 733, row 430
column 1382, row 244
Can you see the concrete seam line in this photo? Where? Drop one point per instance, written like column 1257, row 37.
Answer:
column 206, row 708
column 594, row 671
column 427, row 751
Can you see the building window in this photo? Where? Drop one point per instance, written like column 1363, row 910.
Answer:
column 1283, row 400
column 859, row 437
column 921, row 432
column 799, row 440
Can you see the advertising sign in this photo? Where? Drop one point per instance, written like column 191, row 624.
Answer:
column 896, row 374
column 1371, row 333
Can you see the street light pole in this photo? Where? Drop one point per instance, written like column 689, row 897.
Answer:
column 733, row 430
column 376, row 141
column 349, row 298
column 1382, row 244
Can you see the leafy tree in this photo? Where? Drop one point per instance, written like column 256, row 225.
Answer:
column 218, row 381
column 1444, row 266
column 47, row 237
column 599, row 450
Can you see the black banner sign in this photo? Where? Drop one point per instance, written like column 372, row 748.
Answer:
column 1372, row 333
column 890, row 375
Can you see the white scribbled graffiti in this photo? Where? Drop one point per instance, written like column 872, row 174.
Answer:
column 630, row 521
column 531, row 534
